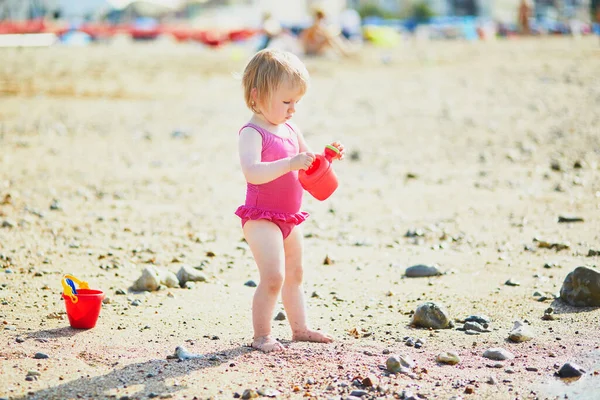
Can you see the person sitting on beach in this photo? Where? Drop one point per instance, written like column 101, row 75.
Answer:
column 318, row 38
column 271, row 152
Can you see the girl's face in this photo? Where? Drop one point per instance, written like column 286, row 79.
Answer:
column 282, row 105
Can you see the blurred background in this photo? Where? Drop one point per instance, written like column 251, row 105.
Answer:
column 217, row 22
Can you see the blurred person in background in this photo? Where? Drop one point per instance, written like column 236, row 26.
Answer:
column 318, row 38
column 523, row 17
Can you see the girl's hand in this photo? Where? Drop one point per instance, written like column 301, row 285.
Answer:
column 301, row 161
column 340, row 147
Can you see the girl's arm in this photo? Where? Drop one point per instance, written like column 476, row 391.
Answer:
column 255, row 171
column 303, row 145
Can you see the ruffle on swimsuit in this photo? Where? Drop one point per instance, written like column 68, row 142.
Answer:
column 253, row 213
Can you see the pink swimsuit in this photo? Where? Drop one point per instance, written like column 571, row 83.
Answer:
column 277, row 201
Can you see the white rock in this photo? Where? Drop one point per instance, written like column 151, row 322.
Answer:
column 448, row 357
column 520, row 333
column 498, row 354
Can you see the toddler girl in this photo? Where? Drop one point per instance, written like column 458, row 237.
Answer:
column 271, row 153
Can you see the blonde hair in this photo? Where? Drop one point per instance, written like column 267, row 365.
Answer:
column 267, row 70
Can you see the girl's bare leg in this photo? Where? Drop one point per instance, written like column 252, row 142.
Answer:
column 293, row 294
column 266, row 242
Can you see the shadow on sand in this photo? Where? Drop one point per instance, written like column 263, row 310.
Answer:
column 150, row 374
column 561, row 307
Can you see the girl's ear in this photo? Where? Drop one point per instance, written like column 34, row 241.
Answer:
column 253, row 94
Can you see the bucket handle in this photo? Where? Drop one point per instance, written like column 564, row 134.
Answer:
column 68, row 290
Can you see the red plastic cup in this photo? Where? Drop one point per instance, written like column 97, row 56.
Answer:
column 84, row 313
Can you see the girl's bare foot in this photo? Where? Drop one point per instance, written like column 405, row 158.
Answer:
column 267, row 344
column 309, row 335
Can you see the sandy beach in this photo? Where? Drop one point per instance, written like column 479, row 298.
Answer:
column 459, row 155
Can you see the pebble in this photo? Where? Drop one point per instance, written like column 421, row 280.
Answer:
column 570, row 370
column 398, row 363
column 181, row 353
column 520, row 332
column 250, row 283
column 480, row 319
column 492, row 380
column 569, row 219
column 189, row 274
column 19, row 339
column 431, row 315
column 581, row 287
column 498, row 354
column 421, row 270
column 475, row 326
column 510, row 282
column 358, row 393
column 148, row 281
column 40, row 356
column 448, row 357
column 268, row 392
column 280, row 316
column 249, row 394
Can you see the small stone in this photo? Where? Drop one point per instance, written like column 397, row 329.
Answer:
column 480, row 319
column 268, row 392
column 280, row 316
column 531, row 369
column 182, row 354
column 492, row 380
column 249, row 394
column 19, row 339
column 448, row 357
column 40, row 356
column 431, row 315
column 250, row 283
column 397, row 364
column 189, row 274
column 370, row 381
column 328, row 260
column 55, row 205
column 498, row 354
column 359, row 393
column 421, row 270
column 470, row 389
column 569, row 219
column 8, row 224
column 570, row 370
column 511, row 282
column 520, row 333
column 474, row 326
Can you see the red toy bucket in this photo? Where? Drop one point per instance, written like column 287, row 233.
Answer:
column 83, row 307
